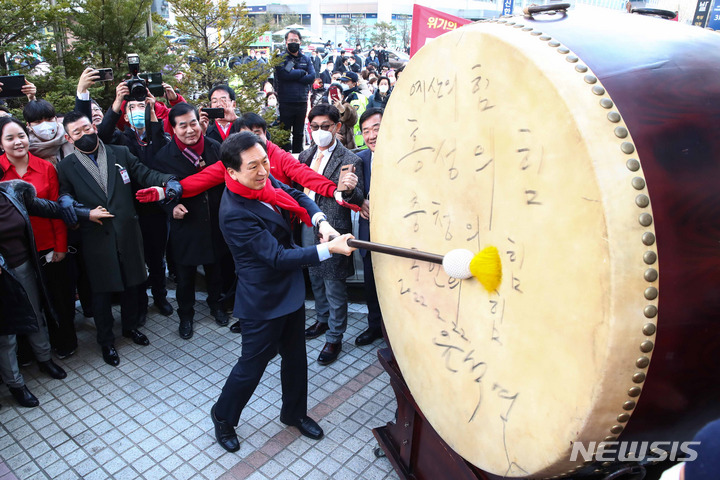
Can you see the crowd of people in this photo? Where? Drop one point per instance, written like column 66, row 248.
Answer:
column 99, row 205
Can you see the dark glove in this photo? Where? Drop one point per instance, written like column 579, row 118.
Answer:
column 67, row 209
column 173, row 191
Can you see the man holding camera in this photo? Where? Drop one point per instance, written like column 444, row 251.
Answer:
column 294, row 76
column 218, row 123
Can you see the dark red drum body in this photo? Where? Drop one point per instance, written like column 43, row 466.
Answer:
column 665, row 81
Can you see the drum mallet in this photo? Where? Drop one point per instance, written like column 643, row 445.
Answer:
column 460, row 263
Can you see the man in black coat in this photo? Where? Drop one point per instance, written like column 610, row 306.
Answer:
column 370, row 126
column 144, row 136
column 195, row 237
column 294, row 75
column 99, row 174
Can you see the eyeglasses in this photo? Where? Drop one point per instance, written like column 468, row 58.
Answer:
column 325, row 126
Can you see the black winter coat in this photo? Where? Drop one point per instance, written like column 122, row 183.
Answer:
column 113, row 251
column 294, row 77
column 16, row 313
column 196, row 239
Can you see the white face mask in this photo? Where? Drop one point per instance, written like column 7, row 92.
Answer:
column 46, row 130
column 272, row 102
column 345, row 87
column 383, row 88
column 322, row 138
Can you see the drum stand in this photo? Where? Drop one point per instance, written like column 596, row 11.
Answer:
column 411, row 444
column 417, row 452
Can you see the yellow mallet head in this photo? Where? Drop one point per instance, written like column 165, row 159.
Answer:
column 485, row 266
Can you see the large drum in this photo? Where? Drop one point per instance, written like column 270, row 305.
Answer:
column 586, row 147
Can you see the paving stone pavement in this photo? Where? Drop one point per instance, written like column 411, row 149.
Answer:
column 149, row 417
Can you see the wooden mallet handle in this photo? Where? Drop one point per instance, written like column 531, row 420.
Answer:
column 395, row 251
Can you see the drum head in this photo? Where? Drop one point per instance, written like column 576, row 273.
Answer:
column 497, row 135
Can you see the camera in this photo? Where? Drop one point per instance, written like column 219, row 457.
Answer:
column 136, row 85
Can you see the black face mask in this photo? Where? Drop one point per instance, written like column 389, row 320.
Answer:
column 293, row 47
column 88, row 143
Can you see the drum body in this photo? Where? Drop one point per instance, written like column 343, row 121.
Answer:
column 586, row 148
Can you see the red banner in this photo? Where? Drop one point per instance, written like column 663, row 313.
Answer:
column 428, row 23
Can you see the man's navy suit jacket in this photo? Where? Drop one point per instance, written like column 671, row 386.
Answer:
column 268, row 263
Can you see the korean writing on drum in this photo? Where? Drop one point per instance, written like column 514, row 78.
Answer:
column 480, row 85
column 435, row 215
column 435, row 88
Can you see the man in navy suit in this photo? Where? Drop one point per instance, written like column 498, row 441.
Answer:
column 370, row 126
column 256, row 212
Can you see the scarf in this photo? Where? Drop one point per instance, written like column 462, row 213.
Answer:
column 100, row 171
column 276, row 197
column 224, row 132
column 49, row 149
column 193, row 152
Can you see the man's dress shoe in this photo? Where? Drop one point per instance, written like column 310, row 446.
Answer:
column 225, row 433
column 52, row 369
column 368, row 336
column 137, row 337
column 317, row 329
column 307, row 426
column 329, row 353
column 111, row 356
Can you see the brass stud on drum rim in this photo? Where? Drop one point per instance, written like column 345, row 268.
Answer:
column 598, row 90
column 648, row 238
column 650, row 311
column 621, row 132
column 642, row 362
column 634, row 392
column 638, row 183
column 610, row 438
column 651, row 275
column 606, row 103
column 581, row 68
column 536, row 33
column 563, row 50
column 645, row 219
column 629, row 405
column 651, row 293
column 545, row 38
column 642, row 201
column 646, row 346
column 650, row 257
column 571, row 58
column 627, row 147
column 617, row 429
column 623, row 417
column 633, row 165
column 639, row 377
column 614, row 117
column 554, row 43
column 527, row 29
column 590, row 79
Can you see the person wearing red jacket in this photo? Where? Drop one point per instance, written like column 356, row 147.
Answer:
column 17, row 163
column 284, row 167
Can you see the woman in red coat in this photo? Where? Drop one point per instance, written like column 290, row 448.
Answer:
column 18, row 163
